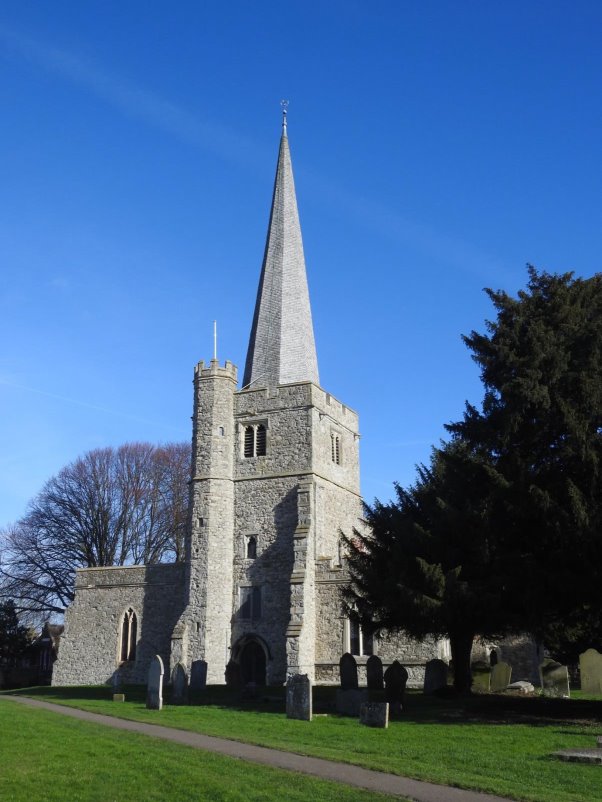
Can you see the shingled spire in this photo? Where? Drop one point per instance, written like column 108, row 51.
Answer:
column 281, row 345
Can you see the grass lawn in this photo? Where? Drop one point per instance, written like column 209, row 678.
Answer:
column 47, row 758
column 498, row 744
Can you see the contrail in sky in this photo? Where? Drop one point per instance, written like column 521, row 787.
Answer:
column 86, row 404
column 231, row 146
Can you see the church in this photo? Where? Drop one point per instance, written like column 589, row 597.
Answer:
column 274, row 480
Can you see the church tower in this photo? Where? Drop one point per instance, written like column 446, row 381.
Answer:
column 275, row 479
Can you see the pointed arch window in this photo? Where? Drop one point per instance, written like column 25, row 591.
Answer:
column 335, row 448
column 128, row 636
column 251, row 547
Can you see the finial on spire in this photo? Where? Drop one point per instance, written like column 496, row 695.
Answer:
column 284, row 107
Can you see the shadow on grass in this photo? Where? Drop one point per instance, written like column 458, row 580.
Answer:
column 418, row 708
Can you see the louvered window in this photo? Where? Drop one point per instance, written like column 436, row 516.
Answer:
column 255, row 440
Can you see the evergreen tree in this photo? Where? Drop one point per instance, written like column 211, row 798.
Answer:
column 430, row 563
column 541, row 420
column 14, row 637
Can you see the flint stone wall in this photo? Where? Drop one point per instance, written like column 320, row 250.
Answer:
column 89, row 649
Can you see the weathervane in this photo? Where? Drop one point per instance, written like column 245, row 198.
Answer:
column 284, row 107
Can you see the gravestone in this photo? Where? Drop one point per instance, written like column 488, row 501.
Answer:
column 481, row 676
column 117, row 682
column 349, row 702
column 590, row 669
column 348, row 672
column 233, row 674
column 119, row 697
column 554, row 679
column 198, row 675
column 435, row 676
column 298, row 697
column 179, row 685
column 374, row 673
column 154, row 688
column 395, row 678
column 375, row 714
column 522, row 686
column 501, row 673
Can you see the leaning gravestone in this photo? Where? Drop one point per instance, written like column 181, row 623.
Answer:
column 298, row 697
column 501, row 674
column 179, row 685
column 435, row 676
column 198, row 675
column 554, row 679
column 374, row 673
column 154, row 689
column 396, row 678
column 375, row 714
column 481, row 676
column 590, row 669
column 348, row 672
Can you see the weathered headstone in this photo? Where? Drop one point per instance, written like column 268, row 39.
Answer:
column 590, row 669
column 298, row 697
column 522, row 686
column 233, row 674
column 179, row 685
column 501, row 674
column 554, row 679
column 481, row 676
column 435, row 676
column 375, row 714
column 349, row 702
column 154, row 689
column 348, row 672
column 374, row 673
column 119, row 697
column 395, row 678
column 198, row 675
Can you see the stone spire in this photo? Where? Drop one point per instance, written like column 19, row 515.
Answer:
column 281, row 345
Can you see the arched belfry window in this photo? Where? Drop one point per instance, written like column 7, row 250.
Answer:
column 251, row 547
column 335, row 448
column 129, row 634
column 255, row 440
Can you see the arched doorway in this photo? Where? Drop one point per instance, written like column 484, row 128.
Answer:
column 252, row 663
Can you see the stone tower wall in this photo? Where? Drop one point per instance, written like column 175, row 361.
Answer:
column 204, row 629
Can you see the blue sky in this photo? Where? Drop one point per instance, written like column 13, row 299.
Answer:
column 438, row 147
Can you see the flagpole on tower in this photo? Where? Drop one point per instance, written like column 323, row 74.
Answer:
column 215, row 339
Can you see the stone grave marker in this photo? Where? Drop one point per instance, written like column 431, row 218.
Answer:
column 374, row 673
column 348, row 672
column 198, row 675
column 179, row 685
column 375, row 714
column 501, row 674
column 435, row 676
column 521, row 686
column 395, row 678
column 233, row 674
column 119, row 697
column 554, row 679
column 298, row 697
column 481, row 676
column 154, row 688
column 590, row 669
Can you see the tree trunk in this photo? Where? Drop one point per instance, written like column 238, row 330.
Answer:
column 461, row 649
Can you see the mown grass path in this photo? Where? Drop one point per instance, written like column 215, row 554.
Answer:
column 498, row 745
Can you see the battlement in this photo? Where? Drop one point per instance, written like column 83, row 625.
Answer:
column 229, row 371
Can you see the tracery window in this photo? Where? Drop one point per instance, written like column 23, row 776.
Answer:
column 129, row 633
column 361, row 641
